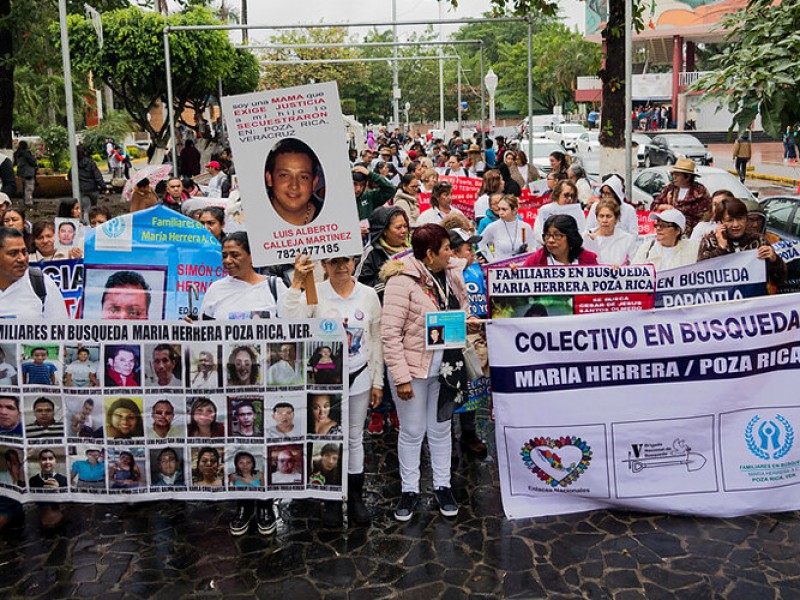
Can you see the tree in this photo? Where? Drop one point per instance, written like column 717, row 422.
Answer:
column 131, row 61
column 757, row 69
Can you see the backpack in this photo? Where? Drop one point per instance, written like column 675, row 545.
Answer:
column 37, row 283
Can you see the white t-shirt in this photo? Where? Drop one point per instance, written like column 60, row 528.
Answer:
column 434, row 215
column 80, row 372
column 628, row 221
column 506, row 239
column 615, row 249
column 7, row 372
column 19, row 301
column 481, row 206
column 232, row 298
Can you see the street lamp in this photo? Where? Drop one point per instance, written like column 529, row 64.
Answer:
column 407, row 107
column 491, row 86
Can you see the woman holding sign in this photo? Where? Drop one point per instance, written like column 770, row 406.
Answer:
column 429, row 280
column 563, row 245
column 341, row 296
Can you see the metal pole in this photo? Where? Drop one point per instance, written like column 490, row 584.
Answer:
column 628, row 95
column 224, row 137
column 395, row 71
column 360, row 44
column 170, row 103
column 530, row 87
column 321, row 61
column 459, row 94
column 245, row 37
column 483, row 98
column 73, row 150
column 441, row 76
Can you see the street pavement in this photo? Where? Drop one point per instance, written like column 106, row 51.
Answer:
column 183, row 550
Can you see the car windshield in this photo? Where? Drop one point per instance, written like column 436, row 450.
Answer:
column 593, row 136
column 684, row 141
column 573, row 129
column 543, row 150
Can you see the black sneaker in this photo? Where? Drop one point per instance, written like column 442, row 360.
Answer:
column 265, row 518
column 405, row 507
column 447, row 503
column 241, row 520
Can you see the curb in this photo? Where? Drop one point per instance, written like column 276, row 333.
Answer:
column 789, row 181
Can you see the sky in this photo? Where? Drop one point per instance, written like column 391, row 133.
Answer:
column 282, row 12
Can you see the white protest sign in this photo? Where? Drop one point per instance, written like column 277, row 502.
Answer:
column 291, row 160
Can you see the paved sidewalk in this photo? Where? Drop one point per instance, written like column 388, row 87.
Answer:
column 183, row 550
column 767, row 164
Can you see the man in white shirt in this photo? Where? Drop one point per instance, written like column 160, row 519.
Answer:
column 18, row 299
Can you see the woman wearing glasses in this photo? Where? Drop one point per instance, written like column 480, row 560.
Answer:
column 563, row 245
column 614, row 189
column 669, row 249
column 564, row 201
column 406, row 197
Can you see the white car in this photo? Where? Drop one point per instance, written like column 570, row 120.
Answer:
column 566, row 134
column 588, row 142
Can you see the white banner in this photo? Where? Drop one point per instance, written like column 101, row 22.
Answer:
column 143, row 411
column 688, row 410
column 291, row 162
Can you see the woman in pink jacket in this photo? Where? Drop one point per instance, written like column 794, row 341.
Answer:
column 430, row 280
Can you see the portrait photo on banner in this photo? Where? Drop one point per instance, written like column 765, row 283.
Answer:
column 9, row 367
column 295, row 182
column 124, row 292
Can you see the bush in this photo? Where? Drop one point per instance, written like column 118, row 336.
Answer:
column 55, row 143
column 116, row 126
column 134, row 152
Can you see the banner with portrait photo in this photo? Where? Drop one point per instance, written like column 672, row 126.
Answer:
column 95, row 411
column 721, row 279
column 789, row 251
column 682, row 410
column 569, row 290
column 290, row 147
column 152, row 264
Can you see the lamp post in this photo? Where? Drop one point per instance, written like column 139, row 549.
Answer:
column 491, row 86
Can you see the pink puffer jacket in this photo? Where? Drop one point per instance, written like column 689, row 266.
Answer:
column 409, row 295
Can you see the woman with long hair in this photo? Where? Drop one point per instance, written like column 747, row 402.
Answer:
column 405, row 197
column 203, row 419
column 124, row 420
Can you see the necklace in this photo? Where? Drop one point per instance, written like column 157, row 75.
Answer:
column 510, row 239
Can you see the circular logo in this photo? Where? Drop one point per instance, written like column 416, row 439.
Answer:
column 114, row 228
column 328, row 326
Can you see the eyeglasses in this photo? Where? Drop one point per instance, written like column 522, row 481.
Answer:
column 569, row 195
column 663, row 225
column 556, row 237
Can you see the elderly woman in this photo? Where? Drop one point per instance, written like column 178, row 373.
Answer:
column 406, row 197
column 669, row 249
column 731, row 236
column 614, row 189
column 612, row 245
column 563, row 201
column 684, row 193
column 429, row 280
column 563, row 245
column 441, row 204
column 508, row 236
column 342, row 296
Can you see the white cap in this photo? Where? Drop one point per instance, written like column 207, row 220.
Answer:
column 671, row 215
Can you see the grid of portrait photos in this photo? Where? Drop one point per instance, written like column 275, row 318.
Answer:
column 187, row 419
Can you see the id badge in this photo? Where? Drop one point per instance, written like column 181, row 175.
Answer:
column 446, row 329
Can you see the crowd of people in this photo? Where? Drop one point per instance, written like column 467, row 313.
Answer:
column 414, row 262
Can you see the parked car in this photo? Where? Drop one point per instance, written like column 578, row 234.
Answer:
column 588, row 142
column 666, row 149
column 541, row 125
column 566, row 134
column 642, row 140
column 541, row 153
column 783, row 216
column 649, row 183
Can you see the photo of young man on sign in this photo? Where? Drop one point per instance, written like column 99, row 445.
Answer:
column 293, row 175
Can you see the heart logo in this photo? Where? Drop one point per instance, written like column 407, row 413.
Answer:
column 557, row 462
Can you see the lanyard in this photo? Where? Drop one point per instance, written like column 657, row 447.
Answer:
column 442, row 293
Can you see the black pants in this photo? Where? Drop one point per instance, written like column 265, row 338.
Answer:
column 741, row 168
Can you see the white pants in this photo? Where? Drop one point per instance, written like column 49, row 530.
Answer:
column 418, row 417
column 358, row 413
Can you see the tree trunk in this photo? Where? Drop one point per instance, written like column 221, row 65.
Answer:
column 6, row 78
column 613, row 77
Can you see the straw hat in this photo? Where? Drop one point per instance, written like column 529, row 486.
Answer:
column 474, row 148
column 684, row 165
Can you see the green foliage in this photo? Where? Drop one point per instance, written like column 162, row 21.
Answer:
column 757, row 69
column 116, row 125
column 132, row 61
column 56, row 145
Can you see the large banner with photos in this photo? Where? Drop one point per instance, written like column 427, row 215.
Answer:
column 685, row 410
column 92, row 411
